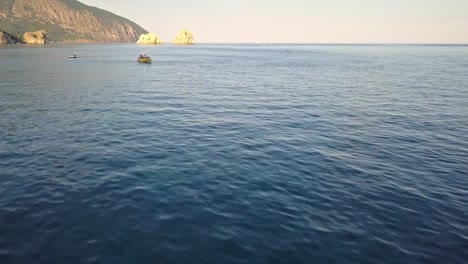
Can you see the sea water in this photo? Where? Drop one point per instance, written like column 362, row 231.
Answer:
column 234, row 154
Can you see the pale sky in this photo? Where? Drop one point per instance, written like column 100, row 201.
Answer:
column 300, row 21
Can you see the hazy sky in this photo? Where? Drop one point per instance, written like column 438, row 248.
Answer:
column 312, row 21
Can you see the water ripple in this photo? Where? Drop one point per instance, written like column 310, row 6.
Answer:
column 234, row 154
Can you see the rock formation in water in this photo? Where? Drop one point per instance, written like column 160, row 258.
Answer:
column 37, row 37
column 66, row 20
column 149, row 38
column 184, row 38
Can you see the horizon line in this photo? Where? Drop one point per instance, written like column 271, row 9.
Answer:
column 336, row 43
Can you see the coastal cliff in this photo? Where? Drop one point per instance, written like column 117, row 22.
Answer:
column 184, row 37
column 149, row 39
column 66, row 20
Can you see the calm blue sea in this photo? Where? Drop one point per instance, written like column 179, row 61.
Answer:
column 234, row 154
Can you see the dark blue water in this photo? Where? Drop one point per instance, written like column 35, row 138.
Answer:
column 234, row 154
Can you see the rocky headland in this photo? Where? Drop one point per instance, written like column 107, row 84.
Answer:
column 66, row 21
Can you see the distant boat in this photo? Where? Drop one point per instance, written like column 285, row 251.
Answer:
column 143, row 58
column 73, row 56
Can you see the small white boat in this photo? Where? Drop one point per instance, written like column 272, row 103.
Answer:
column 73, row 56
